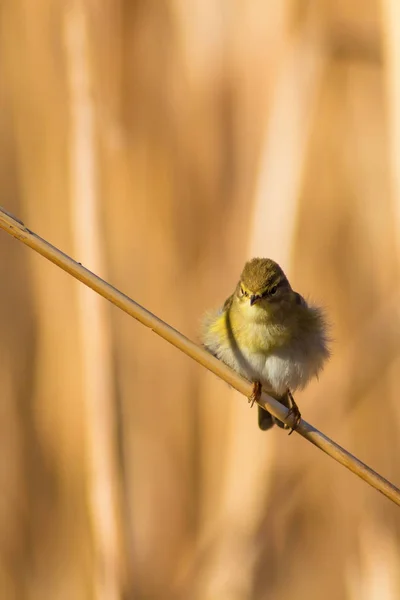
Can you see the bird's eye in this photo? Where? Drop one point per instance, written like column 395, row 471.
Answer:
column 241, row 291
column 273, row 290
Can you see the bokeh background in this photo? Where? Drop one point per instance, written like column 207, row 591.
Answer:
column 161, row 144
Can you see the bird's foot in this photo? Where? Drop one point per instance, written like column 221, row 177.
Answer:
column 255, row 394
column 293, row 412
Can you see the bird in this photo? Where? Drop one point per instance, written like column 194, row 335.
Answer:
column 269, row 334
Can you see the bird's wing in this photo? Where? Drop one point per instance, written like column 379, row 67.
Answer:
column 228, row 303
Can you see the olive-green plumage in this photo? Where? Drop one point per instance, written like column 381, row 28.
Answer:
column 268, row 333
column 261, row 274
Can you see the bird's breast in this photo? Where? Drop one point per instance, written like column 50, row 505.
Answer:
column 265, row 352
column 260, row 338
column 277, row 359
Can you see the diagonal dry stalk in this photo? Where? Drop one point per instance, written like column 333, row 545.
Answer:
column 17, row 229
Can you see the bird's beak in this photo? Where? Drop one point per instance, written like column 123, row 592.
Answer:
column 253, row 299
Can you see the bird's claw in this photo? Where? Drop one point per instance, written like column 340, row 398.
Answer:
column 294, row 412
column 255, row 394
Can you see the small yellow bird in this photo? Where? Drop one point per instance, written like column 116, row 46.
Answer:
column 269, row 334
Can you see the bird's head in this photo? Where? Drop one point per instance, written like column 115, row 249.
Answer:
column 263, row 286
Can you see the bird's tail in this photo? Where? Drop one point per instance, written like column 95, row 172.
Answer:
column 266, row 420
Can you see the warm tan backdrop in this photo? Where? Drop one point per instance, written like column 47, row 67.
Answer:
column 161, row 143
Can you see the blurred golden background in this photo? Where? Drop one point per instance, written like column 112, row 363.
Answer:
column 162, row 144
